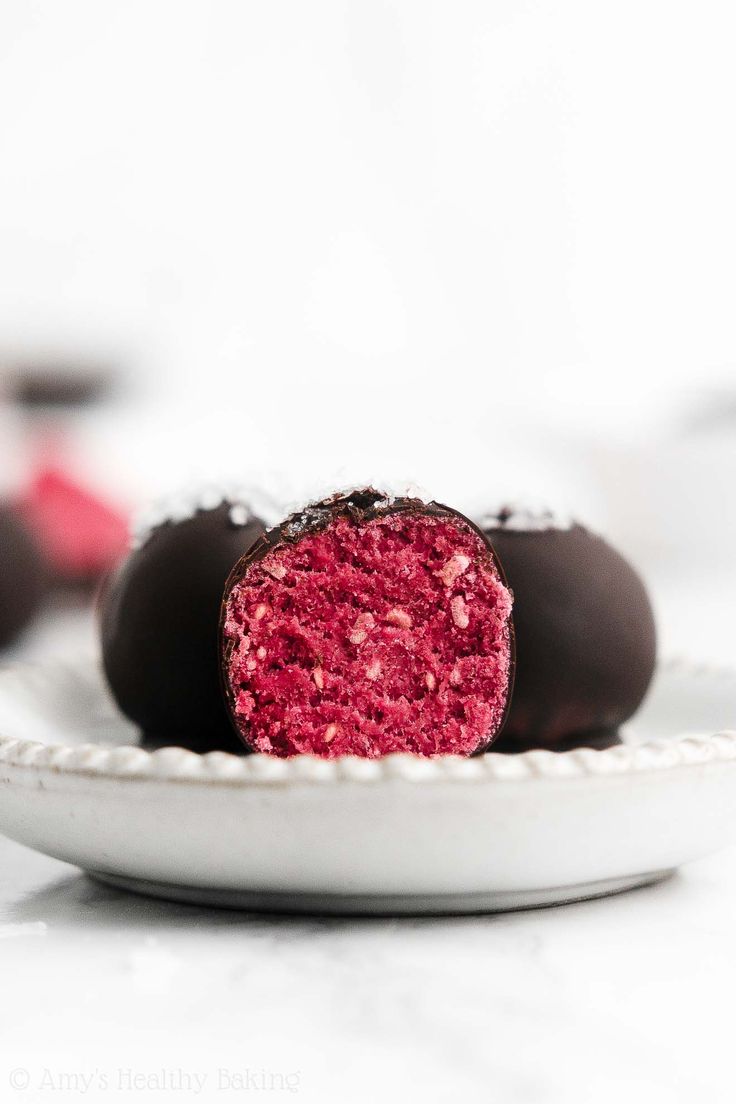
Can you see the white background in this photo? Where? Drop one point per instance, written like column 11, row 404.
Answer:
column 486, row 247
column 378, row 233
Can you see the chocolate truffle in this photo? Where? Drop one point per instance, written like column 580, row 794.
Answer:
column 22, row 575
column 366, row 625
column 585, row 636
column 159, row 623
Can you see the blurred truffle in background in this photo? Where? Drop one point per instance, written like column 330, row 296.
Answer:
column 23, row 576
column 80, row 534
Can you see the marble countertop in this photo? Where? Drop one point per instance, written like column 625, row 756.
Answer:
column 115, row 997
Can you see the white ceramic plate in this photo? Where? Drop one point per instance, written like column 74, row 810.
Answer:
column 401, row 834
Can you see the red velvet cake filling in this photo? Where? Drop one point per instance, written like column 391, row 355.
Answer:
column 368, row 638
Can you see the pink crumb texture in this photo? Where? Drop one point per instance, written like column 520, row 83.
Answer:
column 389, row 635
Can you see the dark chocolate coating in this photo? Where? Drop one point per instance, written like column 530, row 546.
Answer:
column 361, row 506
column 585, row 637
column 23, row 576
column 159, row 623
column 506, row 744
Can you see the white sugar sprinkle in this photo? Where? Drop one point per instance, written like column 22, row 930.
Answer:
column 185, row 505
column 523, row 519
column 239, row 514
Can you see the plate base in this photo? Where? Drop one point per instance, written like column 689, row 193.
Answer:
column 346, row 904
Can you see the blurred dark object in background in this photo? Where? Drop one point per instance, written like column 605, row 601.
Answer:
column 23, row 575
column 81, row 537
column 41, row 383
column 80, row 534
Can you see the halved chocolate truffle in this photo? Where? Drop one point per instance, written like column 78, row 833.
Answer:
column 585, row 634
column 367, row 625
column 159, row 623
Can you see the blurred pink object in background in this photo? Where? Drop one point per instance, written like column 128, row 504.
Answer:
column 81, row 536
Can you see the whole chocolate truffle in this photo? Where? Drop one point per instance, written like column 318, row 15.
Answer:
column 366, row 625
column 585, row 635
column 22, row 576
column 159, row 624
